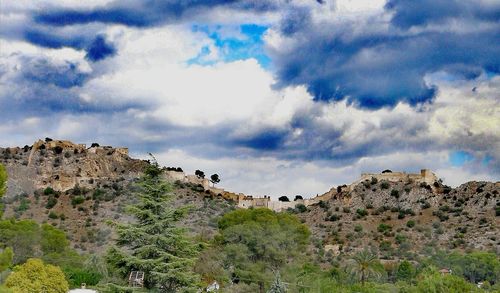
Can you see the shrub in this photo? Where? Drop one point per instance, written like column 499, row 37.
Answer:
column 374, row 181
column 385, row 246
column 401, row 215
column 301, row 208
column 395, row 193
column 77, row 200
column 361, row 212
column 98, row 194
column 53, row 215
column 382, row 228
column 51, row 202
column 442, row 217
column 48, row 191
column 334, row 218
column 410, row 224
column 425, row 205
column 35, row 276
column 77, row 276
column 358, row 228
column 384, row 185
column 346, row 210
column 400, row 238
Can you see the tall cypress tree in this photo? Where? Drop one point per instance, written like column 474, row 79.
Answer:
column 153, row 243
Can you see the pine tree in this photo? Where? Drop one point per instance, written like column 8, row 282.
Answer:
column 277, row 286
column 154, row 244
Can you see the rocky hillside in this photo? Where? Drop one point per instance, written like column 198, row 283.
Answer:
column 401, row 219
column 63, row 165
column 81, row 190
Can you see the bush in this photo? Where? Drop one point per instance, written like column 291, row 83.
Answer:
column 361, row 212
column 77, row 276
column 384, row 185
column 382, row 228
column 395, row 193
column 53, row 215
column 346, row 210
column 425, row 205
column 334, row 218
column 48, row 191
column 35, row 276
column 77, row 200
column 301, row 208
column 442, row 217
column 374, row 181
column 358, row 228
column 410, row 224
column 98, row 194
column 51, row 202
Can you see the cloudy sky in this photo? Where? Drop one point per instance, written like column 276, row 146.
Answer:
column 278, row 97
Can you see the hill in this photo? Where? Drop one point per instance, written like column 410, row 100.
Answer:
column 404, row 219
column 80, row 189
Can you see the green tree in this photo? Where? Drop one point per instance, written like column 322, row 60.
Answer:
column 6, row 257
column 214, row 179
column 29, row 239
column 35, row 276
column 432, row 281
column 154, row 244
column 364, row 265
column 405, row 271
column 256, row 242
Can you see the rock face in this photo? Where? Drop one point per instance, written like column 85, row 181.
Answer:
column 63, row 165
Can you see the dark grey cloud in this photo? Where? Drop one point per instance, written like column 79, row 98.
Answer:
column 381, row 67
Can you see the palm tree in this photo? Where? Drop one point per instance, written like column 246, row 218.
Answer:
column 364, row 265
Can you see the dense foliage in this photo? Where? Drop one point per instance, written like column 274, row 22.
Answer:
column 252, row 245
column 154, row 244
column 35, row 276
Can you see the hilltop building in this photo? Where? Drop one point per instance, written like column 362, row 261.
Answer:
column 247, row 201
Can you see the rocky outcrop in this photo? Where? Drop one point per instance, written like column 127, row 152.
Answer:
column 63, row 165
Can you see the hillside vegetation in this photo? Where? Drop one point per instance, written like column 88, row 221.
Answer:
column 377, row 236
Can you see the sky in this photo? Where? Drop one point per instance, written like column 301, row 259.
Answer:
column 277, row 97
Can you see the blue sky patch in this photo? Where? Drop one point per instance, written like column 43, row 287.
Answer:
column 248, row 44
column 460, row 158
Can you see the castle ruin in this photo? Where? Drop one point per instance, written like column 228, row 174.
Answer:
column 247, row 201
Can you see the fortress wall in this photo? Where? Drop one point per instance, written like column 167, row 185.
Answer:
column 245, row 204
column 173, row 175
column 216, row 190
column 279, row 206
